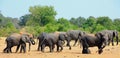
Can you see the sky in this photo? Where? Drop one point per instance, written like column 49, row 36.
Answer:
column 64, row 8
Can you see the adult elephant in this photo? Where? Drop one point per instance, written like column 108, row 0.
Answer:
column 98, row 40
column 73, row 35
column 18, row 40
column 59, row 36
column 111, row 35
column 41, row 39
column 49, row 39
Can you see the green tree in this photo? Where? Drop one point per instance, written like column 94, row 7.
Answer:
column 43, row 14
column 90, row 24
column 80, row 21
column 116, row 23
column 65, row 25
column 106, row 22
column 24, row 19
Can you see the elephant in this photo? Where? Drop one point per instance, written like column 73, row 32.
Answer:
column 61, row 40
column 49, row 39
column 111, row 34
column 99, row 40
column 41, row 39
column 18, row 40
column 73, row 35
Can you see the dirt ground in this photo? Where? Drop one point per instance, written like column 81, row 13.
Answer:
column 109, row 52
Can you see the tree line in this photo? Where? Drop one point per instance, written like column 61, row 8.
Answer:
column 42, row 19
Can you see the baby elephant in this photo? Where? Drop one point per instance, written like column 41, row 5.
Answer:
column 18, row 40
column 98, row 40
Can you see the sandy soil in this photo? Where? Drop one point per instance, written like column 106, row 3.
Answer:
column 109, row 52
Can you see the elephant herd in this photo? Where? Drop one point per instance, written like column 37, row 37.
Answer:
column 57, row 39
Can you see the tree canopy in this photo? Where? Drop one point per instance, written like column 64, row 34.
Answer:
column 42, row 19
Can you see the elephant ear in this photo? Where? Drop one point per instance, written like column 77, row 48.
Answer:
column 25, row 38
column 115, row 33
column 99, row 35
column 80, row 35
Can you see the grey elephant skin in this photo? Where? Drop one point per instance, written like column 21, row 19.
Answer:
column 18, row 40
column 50, row 40
column 98, row 40
column 111, row 35
column 73, row 35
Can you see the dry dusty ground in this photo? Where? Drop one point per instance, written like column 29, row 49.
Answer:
column 109, row 52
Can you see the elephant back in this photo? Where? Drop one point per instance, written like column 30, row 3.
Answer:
column 15, row 36
column 74, row 33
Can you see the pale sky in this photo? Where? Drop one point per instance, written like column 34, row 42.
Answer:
column 64, row 8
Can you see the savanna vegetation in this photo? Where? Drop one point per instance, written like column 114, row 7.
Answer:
column 42, row 19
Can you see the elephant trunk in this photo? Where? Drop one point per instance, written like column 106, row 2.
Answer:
column 32, row 41
column 29, row 46
column 117, row 40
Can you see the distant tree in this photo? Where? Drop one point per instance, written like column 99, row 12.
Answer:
column 24, row 19
column 80, row 21
column 63, row 23
column 15, row 22
column 90, row 24
column 106, row 22
column 43, row 14
column 116, row 23
column 73, row 21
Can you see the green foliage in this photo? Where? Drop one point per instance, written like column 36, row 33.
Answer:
column 116, row 23
column 6, row 26
column 42, row 19
column 80, row 21
column 43, row 14
column 106, row 22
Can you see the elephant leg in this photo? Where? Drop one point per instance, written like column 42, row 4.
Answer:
column 29, row 46
column 51, row 48
column 117, row 40
column 85, row 47
column 39, row 46
column 68, row 44
column 100, row 50
column 86, row 51
column 61, row 48
column 17, row 48
column 112, row 42
column 21, row 48
column 60, row 45
column 42, row 47
column 109, row 42
column 57, row 48
column 24, row 48
column 5, row 50
column 10, row 49
column 100, row 47
column 68, row 41
column 75, row 42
